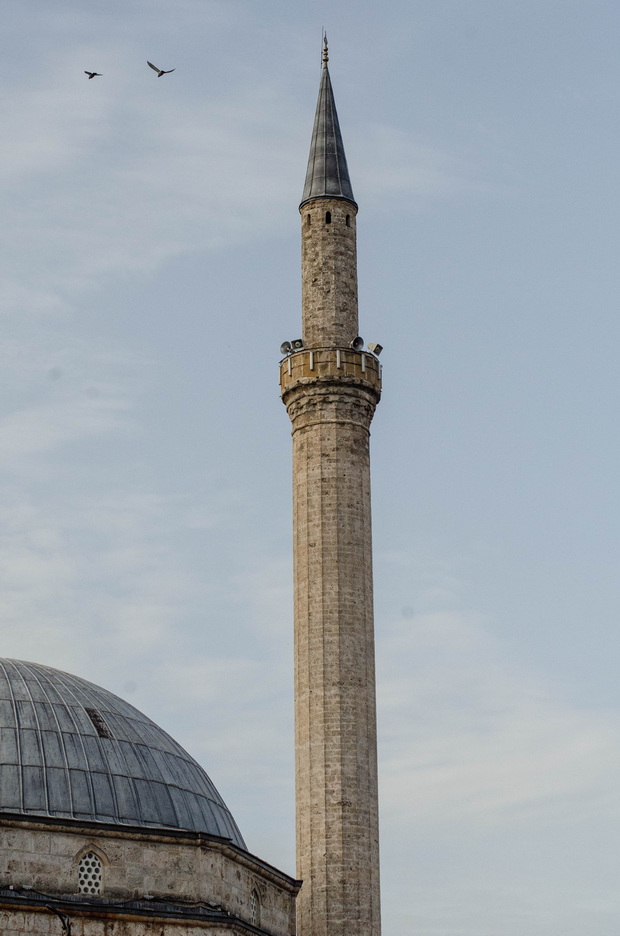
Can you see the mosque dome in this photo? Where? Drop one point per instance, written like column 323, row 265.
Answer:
column 75, row 751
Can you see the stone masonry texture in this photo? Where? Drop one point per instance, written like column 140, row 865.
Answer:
column 329, row 273
column 43, row 923
column 330, row 396
column 45, row 858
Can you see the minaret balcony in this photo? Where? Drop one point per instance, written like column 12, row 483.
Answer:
column 330, row 366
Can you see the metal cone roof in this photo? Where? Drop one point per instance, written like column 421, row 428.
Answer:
column 328, row 174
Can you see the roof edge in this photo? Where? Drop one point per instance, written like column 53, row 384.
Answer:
column 312, row 198
column 189, row 836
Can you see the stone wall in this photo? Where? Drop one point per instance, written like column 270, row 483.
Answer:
column 44, row 923
column 329, row 264
column 335, row 730
column 137, row 863
column 330, row 392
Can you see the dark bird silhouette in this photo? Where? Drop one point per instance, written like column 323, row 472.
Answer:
column 93, row 75
column 160, row 71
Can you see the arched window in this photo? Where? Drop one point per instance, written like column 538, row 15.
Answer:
column 255, row 908
column 307, row 219
column 348, row 220
column 328, row 217
column 90, row 874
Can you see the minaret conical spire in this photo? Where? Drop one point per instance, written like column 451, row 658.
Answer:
column 327, row 175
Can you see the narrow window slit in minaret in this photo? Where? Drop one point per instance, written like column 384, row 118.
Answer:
column 348, row 220
column 338, row 364
column 290, row 367
column 308, row 219
column 312, row 360
column 363, row 363
column 328, row 217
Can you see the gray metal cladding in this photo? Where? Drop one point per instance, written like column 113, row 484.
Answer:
column 327, row 175
column 73, row 750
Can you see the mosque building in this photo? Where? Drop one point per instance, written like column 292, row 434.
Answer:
column 107, row 826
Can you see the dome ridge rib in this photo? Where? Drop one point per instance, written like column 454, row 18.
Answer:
column 68, row 680
column 68, row 686
column 55, row 715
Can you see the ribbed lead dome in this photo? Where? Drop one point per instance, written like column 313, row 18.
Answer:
column 71, row 749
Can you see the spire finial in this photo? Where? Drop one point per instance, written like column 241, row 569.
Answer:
column 325, row 52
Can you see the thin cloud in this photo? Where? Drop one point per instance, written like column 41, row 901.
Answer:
column 391, row 164
column 471, row 737
column 126, row 182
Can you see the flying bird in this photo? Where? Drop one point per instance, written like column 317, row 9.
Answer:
column 93, row 75
column 160, row 71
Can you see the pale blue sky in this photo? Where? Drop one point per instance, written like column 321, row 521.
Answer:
column 150, row 271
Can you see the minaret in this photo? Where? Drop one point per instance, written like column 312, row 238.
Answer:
column 330, row 387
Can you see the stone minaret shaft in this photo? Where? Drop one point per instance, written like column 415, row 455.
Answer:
column 330, row 391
